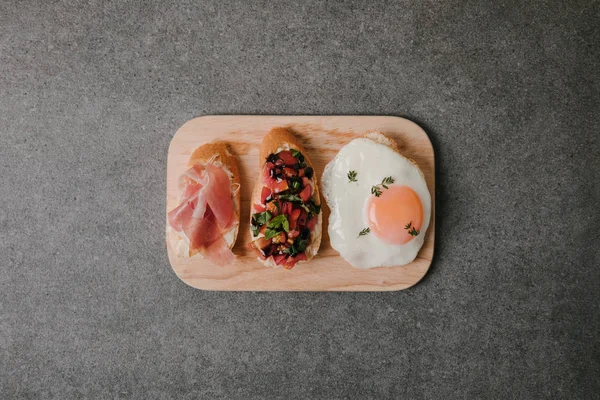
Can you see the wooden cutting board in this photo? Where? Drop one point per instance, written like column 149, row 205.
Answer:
column 323, row 137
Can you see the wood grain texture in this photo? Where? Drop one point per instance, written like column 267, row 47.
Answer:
column 323, row 137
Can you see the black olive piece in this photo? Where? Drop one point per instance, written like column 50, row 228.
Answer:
column 309, row 172
column 272, row 158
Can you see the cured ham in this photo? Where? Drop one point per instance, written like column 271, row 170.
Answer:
column 205, row 213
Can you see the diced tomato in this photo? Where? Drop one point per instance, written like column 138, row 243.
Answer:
column 293, row 218
column 310, row 224
column 293, row 233
column 259, row 208
column 291, row 261
column 305, row 181
column 302, row 217
column 279, row 258
column 276, row 185
column 301, row 172
column 265, row 194
column 306, row 193
column 266, row 172
column 263, row 229
column 279, row 187
column 286, row 209
column 287, row 157
column 289, row 172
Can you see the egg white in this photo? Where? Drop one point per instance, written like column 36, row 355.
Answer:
column 348, row 203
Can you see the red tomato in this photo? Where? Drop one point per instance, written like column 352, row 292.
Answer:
column 291, row 261
column 294, row 215
column 289, row 172
column 306, row 193
column 264, row 194
column 302, row 217
column 293, row 234
column 272, row 183
column 310, row 224
column 259, row 208
column 279, row 258
column 287, row 157
column 286, row 209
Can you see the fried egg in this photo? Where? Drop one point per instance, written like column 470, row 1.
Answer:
column 380, row 205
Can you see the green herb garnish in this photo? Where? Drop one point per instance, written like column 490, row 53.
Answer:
column 261, row 218
column 364, row 232
column 376, row 190
column 290, row 197
column 271, row 233
column 297, row 155
column 299, row 246
column 387, row 181
column 278, row 223
column 315, row 209
column 300, row 157
column 412, row 231
column 258, row 220
column 352, row 176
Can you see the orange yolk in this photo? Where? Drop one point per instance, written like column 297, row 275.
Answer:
column 392, row 211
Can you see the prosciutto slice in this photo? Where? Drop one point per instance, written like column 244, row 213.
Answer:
column 205, row 212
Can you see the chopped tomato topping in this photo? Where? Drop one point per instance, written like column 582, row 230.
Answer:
column 289, row 172
column 286, row 208
column 281, row 186
column 291, row 261
column 259, row 208
column 302, row 217
column 265, row 194
column 306, row 193
column 279, row 258
column 276, row 184
column 287, row 157
column 293, row 219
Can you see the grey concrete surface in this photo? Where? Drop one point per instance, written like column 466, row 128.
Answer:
column 91, row 94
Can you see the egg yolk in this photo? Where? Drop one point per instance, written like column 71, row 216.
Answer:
column 391, row 213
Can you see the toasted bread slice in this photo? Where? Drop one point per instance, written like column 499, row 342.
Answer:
column 276, row 140
column 219, row 153
column 380, row 138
